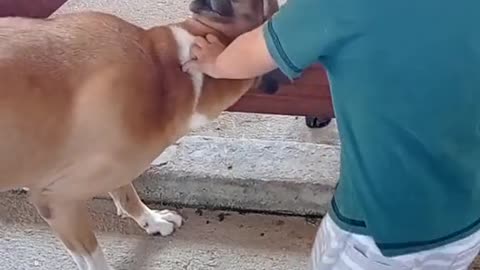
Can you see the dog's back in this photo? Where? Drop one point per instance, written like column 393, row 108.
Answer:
column 72, row 93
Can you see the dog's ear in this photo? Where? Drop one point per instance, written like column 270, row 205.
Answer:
column 271, row 82
column 270, row 7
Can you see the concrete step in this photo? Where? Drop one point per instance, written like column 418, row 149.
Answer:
column 208, row 240
column 244, row 174
column 269, row 127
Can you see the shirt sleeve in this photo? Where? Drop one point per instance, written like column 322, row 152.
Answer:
column 299, row 34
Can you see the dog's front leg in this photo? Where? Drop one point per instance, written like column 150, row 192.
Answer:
column 70, row 222
column 154, row 222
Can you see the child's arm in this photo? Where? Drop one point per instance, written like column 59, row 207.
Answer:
column 301, row 33
column 246, row 57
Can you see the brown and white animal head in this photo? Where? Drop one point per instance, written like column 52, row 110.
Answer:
column 233, row 17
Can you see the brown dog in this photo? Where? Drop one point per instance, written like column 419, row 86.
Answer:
column 88, row 101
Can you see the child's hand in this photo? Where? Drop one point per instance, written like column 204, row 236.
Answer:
column 204, row 54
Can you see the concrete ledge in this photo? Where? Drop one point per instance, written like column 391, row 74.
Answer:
column 258, row 175
column 268, row 127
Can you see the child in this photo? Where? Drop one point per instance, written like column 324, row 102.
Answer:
column 405, row 81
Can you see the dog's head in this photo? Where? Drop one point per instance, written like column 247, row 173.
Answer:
column 233, row 17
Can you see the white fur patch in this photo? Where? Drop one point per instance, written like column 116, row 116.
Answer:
column 96, row 261
column 185, row 40
column 162, row 222
column 79, row 261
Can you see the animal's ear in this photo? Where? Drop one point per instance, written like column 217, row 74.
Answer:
column 271, row 82
column 270, row 7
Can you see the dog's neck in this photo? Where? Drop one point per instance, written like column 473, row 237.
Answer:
column 163, row 49
column 170, row 47
column 198, row 27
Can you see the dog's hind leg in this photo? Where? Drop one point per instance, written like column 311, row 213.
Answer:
column 69, row 220
column 154, row 222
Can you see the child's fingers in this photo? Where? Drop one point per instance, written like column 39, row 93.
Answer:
column 195, row 52
column 212, row 38
column 200, row 42
column 190, row 66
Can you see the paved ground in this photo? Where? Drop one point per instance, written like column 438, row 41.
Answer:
column 269, row 127
column 209, row 240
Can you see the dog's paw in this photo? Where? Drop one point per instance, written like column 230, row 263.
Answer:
column 161, row 222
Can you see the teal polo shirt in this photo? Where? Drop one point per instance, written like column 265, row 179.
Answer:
column 405, row 82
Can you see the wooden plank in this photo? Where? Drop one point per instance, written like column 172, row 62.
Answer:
column 307, row 96
column 29, row 8
column 285, row 105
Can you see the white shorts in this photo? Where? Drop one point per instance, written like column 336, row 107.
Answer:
column 336, row 249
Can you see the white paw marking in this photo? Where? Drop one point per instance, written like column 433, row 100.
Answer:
column 161, row 222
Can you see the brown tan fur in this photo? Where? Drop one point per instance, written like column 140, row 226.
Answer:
column 87, row 101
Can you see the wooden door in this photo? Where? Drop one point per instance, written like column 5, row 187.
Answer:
column 29, row 8
column 307, row 96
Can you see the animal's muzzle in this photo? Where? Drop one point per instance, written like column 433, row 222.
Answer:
column 222, row 8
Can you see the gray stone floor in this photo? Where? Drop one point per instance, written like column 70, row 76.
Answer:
column 208, row 240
